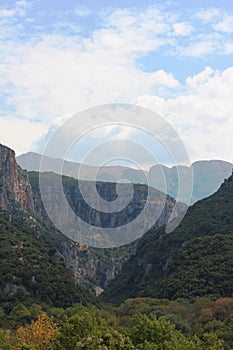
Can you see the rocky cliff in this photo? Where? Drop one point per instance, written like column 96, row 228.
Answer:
column 152, row 206
column 92, row 267
column 96, row 267
column 15, row 188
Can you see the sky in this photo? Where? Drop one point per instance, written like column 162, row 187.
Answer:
column 58, row 58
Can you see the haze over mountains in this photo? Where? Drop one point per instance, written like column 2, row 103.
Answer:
column 207, row 175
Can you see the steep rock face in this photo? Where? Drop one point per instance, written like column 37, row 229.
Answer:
column 15, row 188
column 91, row 267
column 96, row 267
column 154, row 208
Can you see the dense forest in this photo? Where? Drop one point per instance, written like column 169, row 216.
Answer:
column 140, row 323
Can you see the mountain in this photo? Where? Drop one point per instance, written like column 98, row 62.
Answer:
column 95, row 267
column 89, row 267
column 153, row 204
column 32, row 268
column 31, row 162
column 15, row 189
column 194, row 260
column 207, row 175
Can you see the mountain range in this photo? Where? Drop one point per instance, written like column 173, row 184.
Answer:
column 22, row 211
column 39, row 263
column 207, row 175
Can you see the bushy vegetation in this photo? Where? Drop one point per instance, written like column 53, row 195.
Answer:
column 32, row 270
column 141, row 323
column 193, row 260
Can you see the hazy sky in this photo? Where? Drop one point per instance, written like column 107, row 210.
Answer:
column 60, row 57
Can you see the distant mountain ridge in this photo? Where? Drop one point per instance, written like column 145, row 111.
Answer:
column 207, row 175
column 31, row 162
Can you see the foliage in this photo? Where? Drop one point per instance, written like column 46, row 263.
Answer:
column 86, row 331
column 141, row 323
column 38, row 335
column 193, row 260
column 160, row 334
column 40, row 275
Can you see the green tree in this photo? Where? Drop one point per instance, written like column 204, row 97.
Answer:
column 90, row 333
column 160, row 334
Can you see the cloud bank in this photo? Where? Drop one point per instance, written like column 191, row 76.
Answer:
column 53, row 66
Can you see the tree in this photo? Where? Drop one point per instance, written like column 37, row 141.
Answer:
column 39, row 334
column 87, row 331
column 160, row 334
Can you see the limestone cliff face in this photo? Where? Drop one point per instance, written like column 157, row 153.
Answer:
column 15, row 188
column 96, row 267
column 92, row 267
column 151, row 209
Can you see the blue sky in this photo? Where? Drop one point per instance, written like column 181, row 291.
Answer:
column 60, row 57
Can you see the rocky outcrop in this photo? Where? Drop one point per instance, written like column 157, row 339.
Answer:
column 140, row 208
column 15, row 188
column 96, row 267
column 92, row 267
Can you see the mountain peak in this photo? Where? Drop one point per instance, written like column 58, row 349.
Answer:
column 15, row 189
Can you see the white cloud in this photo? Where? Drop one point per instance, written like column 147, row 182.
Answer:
column 49, row 87
column 182, row 28
column 228, row 47
column 7, row 13
column 20, row 134
column 22, row 3
column 82, row 11
column 17, row 10
column 226, row 25
column 198, row 79
column 50, row 75
column 134, row 31
column 202, row 45
column 203, row 117
column 163, row 78
column 209, row 15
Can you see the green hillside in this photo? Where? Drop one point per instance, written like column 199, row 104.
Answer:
column 32, row 269
column 194, row 260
